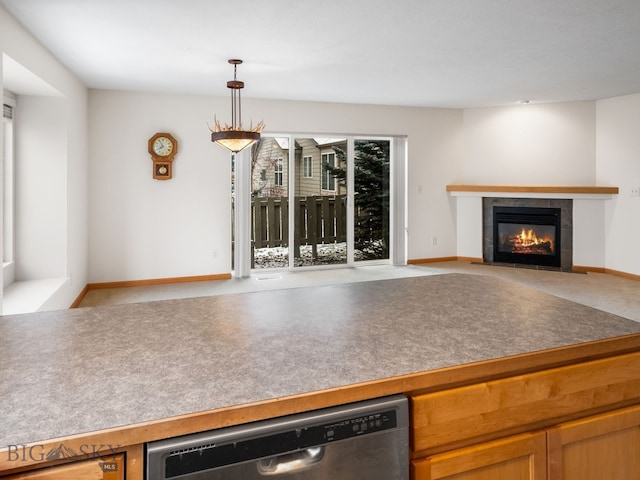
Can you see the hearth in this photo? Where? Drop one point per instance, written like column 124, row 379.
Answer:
column 527, row 235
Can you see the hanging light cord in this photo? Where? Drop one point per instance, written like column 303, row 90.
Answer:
column 236, row 105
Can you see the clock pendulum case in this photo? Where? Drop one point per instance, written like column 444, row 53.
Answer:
column 163, row 148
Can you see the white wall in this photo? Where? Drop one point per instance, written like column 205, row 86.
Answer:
column 41, row 188
column 18, row 44
column 618, row 163
column 141, row 228
column 552, row 144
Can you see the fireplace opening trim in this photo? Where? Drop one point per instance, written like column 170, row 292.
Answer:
column 544, row 218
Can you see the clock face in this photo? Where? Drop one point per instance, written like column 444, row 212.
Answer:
column 162, row 146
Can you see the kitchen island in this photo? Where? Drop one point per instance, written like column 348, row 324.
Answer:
column 124, row 375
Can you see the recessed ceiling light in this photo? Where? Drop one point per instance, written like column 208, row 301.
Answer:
column 525, row 102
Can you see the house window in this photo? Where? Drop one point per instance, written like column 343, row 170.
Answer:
column 328, row 179
column 278, row 167
column 307, row 163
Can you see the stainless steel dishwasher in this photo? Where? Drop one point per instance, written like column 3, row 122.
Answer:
column 365, row 440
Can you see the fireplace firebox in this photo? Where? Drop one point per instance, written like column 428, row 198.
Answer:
column 527, row 235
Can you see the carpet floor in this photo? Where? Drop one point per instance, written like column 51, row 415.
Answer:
column 613, row 294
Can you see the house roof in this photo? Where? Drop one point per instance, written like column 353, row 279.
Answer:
column 437, row 53
column 328, row 141
column 283, row 142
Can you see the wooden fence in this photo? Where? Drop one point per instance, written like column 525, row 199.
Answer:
column 318, row 219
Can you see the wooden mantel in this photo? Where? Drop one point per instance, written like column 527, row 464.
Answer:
column 533, row 189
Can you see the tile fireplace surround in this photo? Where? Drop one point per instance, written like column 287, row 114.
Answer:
column 566, row 227
column 582, row 216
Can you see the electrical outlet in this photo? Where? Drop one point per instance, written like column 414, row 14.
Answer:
column 434, row 240
column 215, row 254
column 635, row 191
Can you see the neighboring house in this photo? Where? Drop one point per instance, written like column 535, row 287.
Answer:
column 270, row 166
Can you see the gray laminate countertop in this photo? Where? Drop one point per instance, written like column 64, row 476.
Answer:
column 77, row 371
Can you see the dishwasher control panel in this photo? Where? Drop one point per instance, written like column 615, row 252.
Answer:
column 352, row 427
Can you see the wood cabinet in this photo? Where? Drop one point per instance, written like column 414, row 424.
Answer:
column 531, row 426
column 604, row 446
column 474, row 413
column 103, row 468
column 521, row 457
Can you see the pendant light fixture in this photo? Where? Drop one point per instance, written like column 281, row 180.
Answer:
column 233, row 137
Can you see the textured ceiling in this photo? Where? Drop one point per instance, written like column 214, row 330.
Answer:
column 439, row 53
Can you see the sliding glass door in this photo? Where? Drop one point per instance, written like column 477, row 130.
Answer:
column 320, row 201
column 372, row 186
column 270, row 203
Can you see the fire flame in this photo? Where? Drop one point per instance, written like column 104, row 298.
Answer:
column 527, row 239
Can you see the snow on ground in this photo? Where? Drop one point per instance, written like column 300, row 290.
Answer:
column 278, row 257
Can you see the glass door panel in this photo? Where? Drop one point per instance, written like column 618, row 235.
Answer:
column 339, row 211
column 270, row 203
column 371, row 199
column 320, row 202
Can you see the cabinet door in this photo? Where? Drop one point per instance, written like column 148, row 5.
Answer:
column 107, row 468
column 605, row 446
column 521, row 457
column 486, row 409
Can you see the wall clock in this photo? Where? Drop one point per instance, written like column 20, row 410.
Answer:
column 163, row 148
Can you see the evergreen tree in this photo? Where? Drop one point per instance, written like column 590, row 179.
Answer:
column 371, row 184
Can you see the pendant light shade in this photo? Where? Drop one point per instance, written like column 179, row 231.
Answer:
column 233, row 137
column 235, row 140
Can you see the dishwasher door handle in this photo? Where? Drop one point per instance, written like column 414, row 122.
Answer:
column 290, row 462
